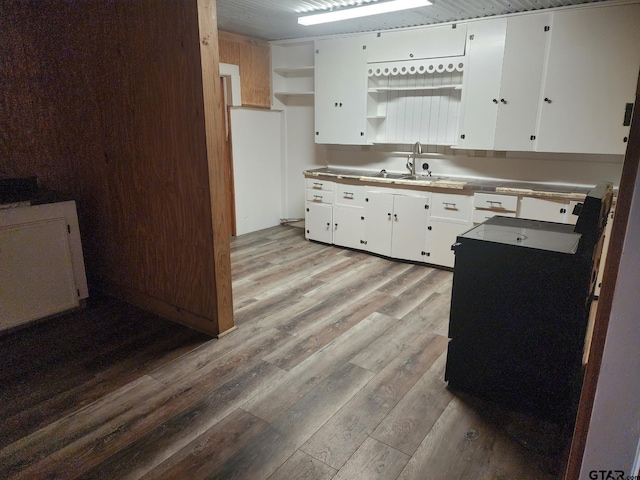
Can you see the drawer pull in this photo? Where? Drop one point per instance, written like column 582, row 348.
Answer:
column 449, row 205
column 317, row 197
column 493, row 202
column 317, row 185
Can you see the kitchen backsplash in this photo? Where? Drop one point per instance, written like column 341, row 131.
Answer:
column 568, row 169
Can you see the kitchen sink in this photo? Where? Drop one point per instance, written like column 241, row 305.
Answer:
column 407, row 176
column 389, row 175
column 423, row 178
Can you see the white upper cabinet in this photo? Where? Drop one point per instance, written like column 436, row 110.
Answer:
column 341, row 90
column 525, row 48
column 414, row 44
column 481, row 87
column 591, row 75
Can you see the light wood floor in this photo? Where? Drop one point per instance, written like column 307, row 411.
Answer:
column 336, row 371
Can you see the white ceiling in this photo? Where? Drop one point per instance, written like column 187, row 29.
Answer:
column 278, row 19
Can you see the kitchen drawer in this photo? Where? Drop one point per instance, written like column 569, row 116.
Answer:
column 317, row 184
column 496, row 202
column 349, row 195
column 319, row 196
column 480, row 216
column 446, row 206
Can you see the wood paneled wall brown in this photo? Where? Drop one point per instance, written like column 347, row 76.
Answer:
column 104, row 101
column 253, row 56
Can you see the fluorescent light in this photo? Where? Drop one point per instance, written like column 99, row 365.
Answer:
column 362, row 11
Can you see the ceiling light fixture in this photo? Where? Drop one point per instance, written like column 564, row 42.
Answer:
column 362, row 11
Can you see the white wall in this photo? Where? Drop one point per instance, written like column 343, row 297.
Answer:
column 614, row 431
column 257, row 168
column 300, row 153
column 568, row 169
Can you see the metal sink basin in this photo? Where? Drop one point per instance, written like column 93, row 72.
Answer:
column 424, row 178
column 406, row 176
column 389, row 175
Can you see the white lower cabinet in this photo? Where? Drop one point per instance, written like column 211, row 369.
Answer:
column 42, row 268
column 440, row 237
column 348, row 227
column 547, row 209
column 488, row 205
column 396, row 224
column 318, row 222
column 450, row 216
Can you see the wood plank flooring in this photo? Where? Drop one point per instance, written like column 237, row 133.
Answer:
column 335, row 372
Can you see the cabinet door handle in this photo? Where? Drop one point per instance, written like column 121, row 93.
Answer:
column 328, row 224
column 502, row 100
column 547, row 99
column 389, row 215
column 395, row 216
column 495, row 100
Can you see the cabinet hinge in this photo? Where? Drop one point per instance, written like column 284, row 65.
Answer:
column 379, row 34
column 547, row 28
column 69, row 228
column 454, row 26
column 471, row 37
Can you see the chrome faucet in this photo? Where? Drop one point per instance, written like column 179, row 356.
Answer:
column 412, row 160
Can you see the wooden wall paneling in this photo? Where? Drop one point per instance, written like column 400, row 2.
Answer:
column 253, row 56
column 104, row 101
column 218, row 168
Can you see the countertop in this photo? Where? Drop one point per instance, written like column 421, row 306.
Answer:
column 569, row 192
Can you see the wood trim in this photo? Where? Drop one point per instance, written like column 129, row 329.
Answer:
column 232, row 190
column 160, row 308
column 209, row 57
column 605, row 301
column 253, row 57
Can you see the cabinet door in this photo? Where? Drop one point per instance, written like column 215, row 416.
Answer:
column 525, row 47
column 318, row 222
column 348, row 227
column 341, row 91
column 440, row 237
column 430, row 42
column 409, row 227
column 36, row 277
column 378, row 222
column 548, row 210
column 481, row 88
column 592, row 72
